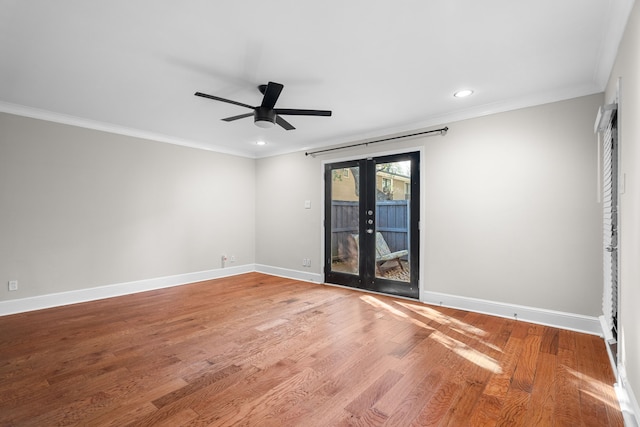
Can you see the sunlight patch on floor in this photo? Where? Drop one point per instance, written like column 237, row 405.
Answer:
column 597, row 389
column 469, row 353
column 435, row 315
column 375, row 302
column 459, row 326
column 458, row 347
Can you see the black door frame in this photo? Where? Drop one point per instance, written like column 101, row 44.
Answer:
column 366, row 279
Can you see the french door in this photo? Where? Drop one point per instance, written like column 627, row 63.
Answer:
column 371, row 224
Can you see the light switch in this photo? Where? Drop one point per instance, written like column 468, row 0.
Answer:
column 307, row 204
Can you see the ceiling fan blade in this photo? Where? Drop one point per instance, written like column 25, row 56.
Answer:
column 298, row 112
column 283, row 123
column 271, row 95
column 217, row 98
column 241, row 116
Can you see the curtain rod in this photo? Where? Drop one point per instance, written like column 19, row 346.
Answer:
column 441, row 131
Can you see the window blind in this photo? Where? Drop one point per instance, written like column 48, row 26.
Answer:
column 610, row 220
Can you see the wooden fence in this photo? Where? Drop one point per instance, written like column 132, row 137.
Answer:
column 392, row 217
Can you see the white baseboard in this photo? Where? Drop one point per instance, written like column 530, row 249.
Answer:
column 628, row 400
column 557, row 319
column 91, row 294
column 608, row 339
column 290, row 274
column 569, row 321
column 606, row 330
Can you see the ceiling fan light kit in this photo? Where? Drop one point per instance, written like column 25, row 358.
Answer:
column 265, row 115
column 264, row 118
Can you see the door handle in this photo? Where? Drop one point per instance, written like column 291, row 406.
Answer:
column 609, row 249
column 370, row 230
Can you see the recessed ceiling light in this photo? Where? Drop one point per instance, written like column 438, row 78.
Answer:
column 463, row 93
column 261, row 143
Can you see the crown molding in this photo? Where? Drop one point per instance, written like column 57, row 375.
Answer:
column 530, row 100
column 517, row 103
column 66, row 119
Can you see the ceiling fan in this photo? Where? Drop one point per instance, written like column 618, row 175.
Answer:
column 265, row 115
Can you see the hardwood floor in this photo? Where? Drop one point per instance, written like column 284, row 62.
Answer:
column 259, row 350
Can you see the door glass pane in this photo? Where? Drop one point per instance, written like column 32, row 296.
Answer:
column 393, row 186
column 345, row 219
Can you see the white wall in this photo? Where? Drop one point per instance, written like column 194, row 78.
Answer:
column 81, row 208
column 286, row 232
column 511, row 208
column 511, row 211
column 627, row 69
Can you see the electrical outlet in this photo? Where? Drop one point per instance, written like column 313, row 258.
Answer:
column 233, row 259
column 13, row 285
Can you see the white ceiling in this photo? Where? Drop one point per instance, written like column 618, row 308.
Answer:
column 382, row 66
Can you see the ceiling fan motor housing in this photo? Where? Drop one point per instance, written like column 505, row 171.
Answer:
column 264, row 117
